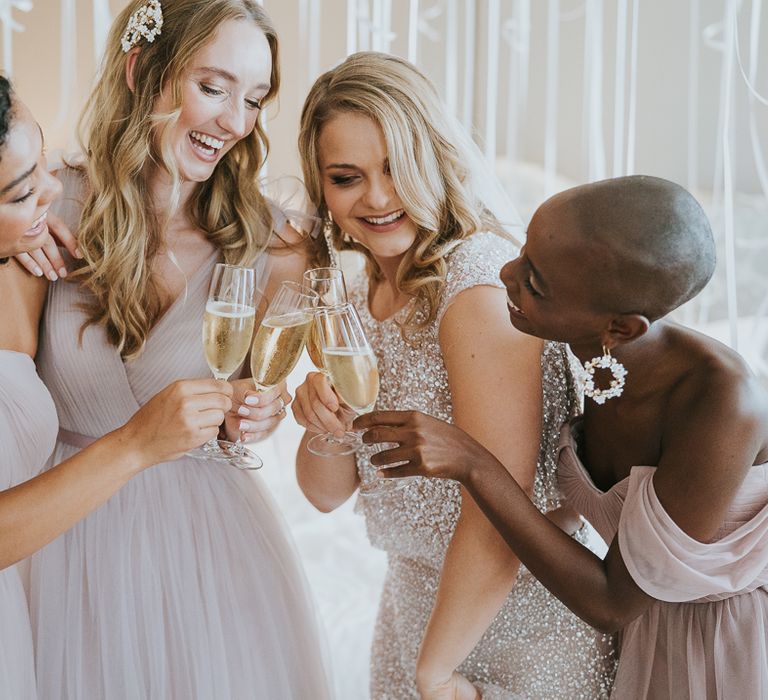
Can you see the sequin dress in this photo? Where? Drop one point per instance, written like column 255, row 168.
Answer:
column 535, row 648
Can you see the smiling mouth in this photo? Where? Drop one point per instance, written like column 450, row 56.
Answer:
column 204, row 143
column 383, row 220
column 511, row 304
column 38, row 226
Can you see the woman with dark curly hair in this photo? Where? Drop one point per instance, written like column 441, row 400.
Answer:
column 36, row 509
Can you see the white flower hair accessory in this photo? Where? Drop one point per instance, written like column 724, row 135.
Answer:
column 146, row 22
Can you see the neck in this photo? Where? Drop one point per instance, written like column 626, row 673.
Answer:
column 161, row 192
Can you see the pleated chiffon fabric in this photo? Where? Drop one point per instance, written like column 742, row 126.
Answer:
column 185, row 584
column 707, row 636
column 28, row 427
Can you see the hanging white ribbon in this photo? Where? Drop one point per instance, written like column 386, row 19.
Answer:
column 102, row 19
column 67, row 59
column 551, row 114
column 469, row 65
column 9, row 27
column 516, row 32
column 452, row 56
column 413, row 31
column 492, row 78
column 693, row 95
column 351, row 27
column 731, row 11
column 593, row 89
column 632, row 112
column 619, row 88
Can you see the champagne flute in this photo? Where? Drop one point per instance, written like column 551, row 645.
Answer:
column 280, row 339
column 350, row 364
column 328, row 282
column 227, row 331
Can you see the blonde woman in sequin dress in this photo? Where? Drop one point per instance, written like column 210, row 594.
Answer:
column 458, row 615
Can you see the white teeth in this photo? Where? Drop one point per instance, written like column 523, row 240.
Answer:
column 207, row 140
column 379, row 221
column 512, row 306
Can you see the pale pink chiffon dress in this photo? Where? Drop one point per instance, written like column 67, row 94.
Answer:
column 28, row 427
column 185, row 584
column 707, row 636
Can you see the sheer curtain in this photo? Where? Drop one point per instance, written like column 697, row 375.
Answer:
column 556, row 92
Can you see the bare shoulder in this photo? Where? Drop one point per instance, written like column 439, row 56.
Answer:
column 478, row 319
column 718, row 388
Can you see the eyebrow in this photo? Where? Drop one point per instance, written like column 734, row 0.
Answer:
column 19, row 179
column 228, row 76
column 346, row 166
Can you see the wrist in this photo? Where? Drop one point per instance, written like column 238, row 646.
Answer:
column 127, row 452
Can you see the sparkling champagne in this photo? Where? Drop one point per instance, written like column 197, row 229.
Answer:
column 314, row 348
column 277, row 347
column 354, row 375
column 227, row 332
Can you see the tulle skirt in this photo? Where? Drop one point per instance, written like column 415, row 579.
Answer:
column 697, row 651
column 184, row 585
column 17, row 666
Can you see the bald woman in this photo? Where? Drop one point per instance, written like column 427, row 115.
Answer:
column 669, row 461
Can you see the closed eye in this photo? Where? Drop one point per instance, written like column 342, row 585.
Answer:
column 527, row 284
column 343, row 179
column 24, row 197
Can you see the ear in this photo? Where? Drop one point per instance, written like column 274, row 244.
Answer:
column 130, row 67
column 624, row 329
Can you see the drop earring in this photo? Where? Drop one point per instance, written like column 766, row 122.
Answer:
column 617, row 370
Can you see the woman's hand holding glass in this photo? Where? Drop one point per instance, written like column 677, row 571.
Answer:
column 228, row 321
column 255, row 414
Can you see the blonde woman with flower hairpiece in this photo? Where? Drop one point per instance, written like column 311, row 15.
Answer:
column 185, row 584
column 398, row 181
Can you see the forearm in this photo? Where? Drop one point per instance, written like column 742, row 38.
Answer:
column 569, row 570
column 39, row 510
column 327, row 482
column 478, row 573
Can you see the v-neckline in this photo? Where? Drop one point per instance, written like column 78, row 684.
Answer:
column 191, row 287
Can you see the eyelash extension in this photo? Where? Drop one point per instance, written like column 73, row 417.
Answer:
column 25, row 197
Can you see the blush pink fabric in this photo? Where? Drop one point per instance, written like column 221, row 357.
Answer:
column 706, row 637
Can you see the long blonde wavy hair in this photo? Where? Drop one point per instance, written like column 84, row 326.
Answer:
column 425, row 159
column 119, row 233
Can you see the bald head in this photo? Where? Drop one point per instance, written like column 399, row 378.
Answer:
column 649, row 237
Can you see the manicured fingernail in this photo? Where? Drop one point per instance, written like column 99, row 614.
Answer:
column 243, row 411
column 252, row 400
column 37, row 272
column 52, row 275
column 245, row 426
column 62, row 272
column 78, row 253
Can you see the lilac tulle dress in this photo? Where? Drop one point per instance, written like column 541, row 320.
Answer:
column 28, row 427
column 707, row 636
column 185, row 584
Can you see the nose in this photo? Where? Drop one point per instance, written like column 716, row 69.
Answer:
column 507, row 274
column 234, row 119
column 380, row 193
column 50, row 188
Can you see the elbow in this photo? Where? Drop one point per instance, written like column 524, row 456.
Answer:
column 609, row 619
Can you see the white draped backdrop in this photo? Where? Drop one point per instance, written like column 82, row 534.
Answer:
column 556, row 92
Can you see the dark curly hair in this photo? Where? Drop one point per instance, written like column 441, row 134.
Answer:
column 6, row 106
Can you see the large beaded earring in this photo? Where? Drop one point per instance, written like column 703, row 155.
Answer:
column 333, row 254
column 619, row 372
